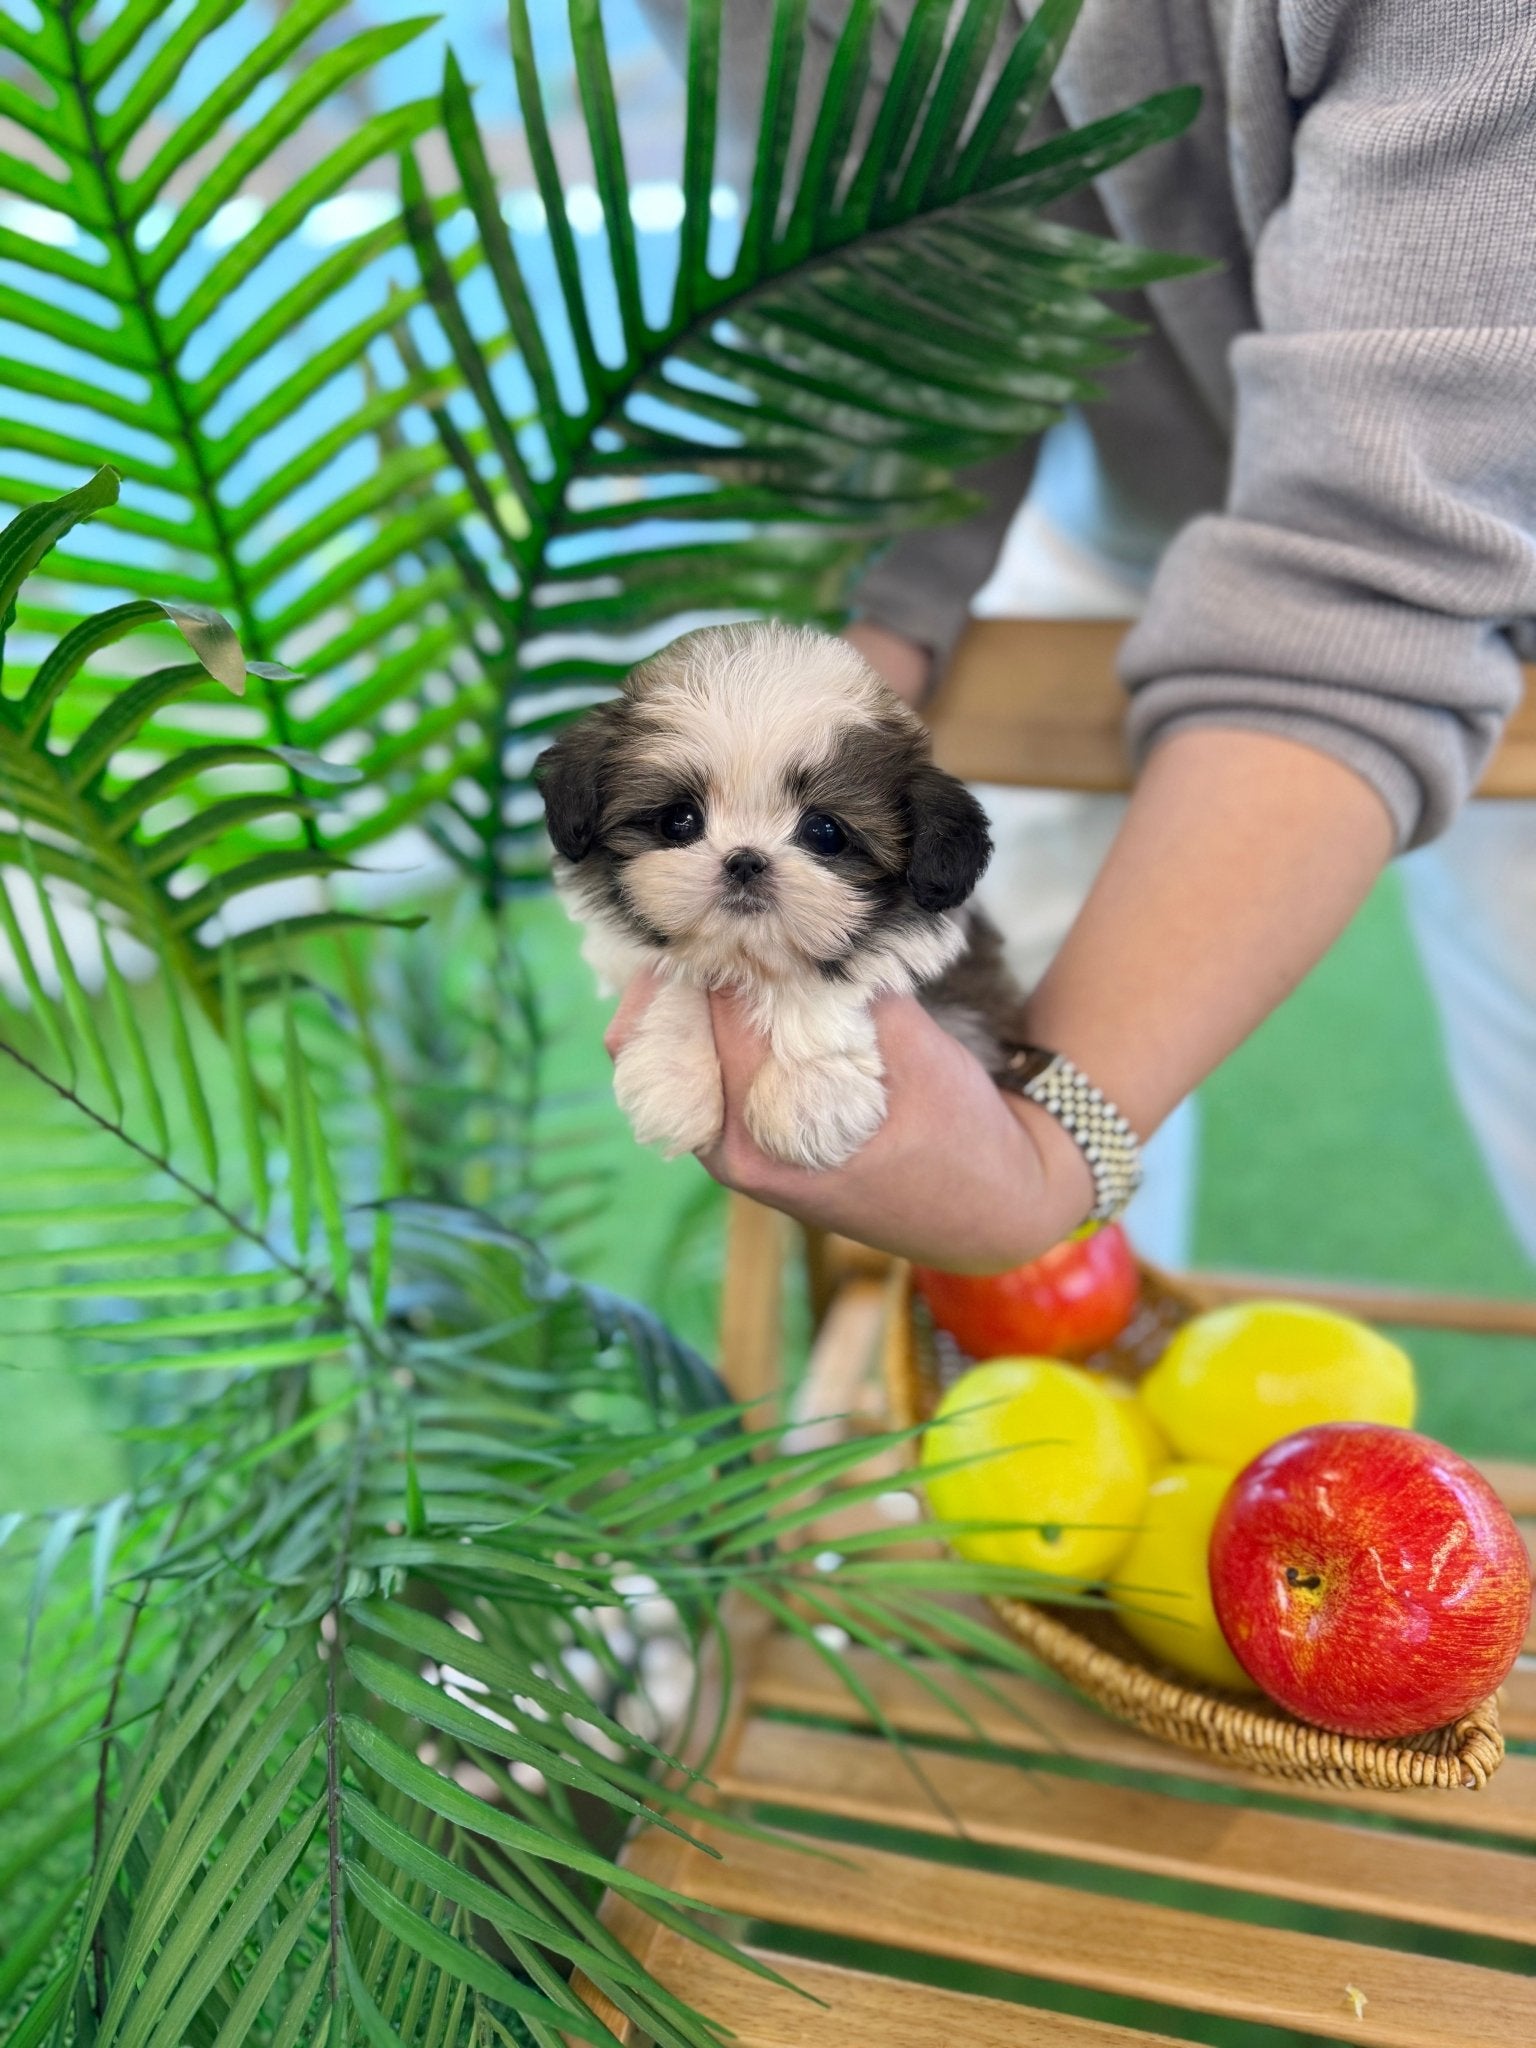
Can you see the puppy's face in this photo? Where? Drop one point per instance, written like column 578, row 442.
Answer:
column 759, row 802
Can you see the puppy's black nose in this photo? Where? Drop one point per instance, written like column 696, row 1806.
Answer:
column 745, row 865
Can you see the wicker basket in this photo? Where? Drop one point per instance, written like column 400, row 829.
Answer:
column 1095, row 1654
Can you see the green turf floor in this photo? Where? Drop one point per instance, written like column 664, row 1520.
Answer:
column 1332, row 1144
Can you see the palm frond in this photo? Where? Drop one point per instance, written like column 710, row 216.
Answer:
column 330, row 1727
column 97, row 813
column 205, row 265
column 472, row 1022
column 445, row 1506
column 897, row 309
column 175, row 1206
column 502, row 514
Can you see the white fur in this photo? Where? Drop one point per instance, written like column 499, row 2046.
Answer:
column 731, row 714
column 732, row 711
column 667, row 1078
column 819, row 1095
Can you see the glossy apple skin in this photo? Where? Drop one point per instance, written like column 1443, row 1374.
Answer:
column 1070, row 1302
column 1369, row 1579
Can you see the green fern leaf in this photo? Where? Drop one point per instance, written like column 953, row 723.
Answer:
column 172, row 320
column 785, row 421
column 85, row 819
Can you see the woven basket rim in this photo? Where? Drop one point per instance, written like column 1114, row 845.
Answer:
column 1117, row 1676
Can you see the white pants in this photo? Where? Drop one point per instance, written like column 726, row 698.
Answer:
column 1471, row 902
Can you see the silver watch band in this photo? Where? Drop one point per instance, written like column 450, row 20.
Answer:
column 1101, row 1133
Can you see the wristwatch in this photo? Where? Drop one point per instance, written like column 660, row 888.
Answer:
column 1098, row 1129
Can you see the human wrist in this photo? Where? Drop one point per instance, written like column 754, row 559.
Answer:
column 1065, row 1194
column 1103, row 1135
column 1104, row 1042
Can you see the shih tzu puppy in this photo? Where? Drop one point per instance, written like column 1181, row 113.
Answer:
column 757, row 811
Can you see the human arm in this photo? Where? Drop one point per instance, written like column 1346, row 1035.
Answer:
column 1323, row 667
column 1241, row 859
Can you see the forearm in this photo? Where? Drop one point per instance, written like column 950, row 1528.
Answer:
column 1241, row 859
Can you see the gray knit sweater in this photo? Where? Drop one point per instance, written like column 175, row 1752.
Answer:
column 1337, row 428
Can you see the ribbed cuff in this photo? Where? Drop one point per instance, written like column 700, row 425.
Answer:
column 1160, row 710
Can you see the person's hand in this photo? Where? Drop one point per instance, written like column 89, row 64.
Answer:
column 959, row 1174
column 905, row 667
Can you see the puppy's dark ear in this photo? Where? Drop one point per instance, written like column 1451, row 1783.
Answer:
column 950, row 841
column 569, row 775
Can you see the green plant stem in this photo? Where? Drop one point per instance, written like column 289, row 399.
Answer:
column 99, row 1805
column 204, row 1196
column 103, row 1762
column 333, row 1664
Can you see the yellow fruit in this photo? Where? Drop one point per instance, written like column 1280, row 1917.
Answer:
column 1156, row 1446
column 1162, row 1585
column 1236, row 1380
column 1075, row 1459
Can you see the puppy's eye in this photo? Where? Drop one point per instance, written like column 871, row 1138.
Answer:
column 821, row 835
column 680, row 824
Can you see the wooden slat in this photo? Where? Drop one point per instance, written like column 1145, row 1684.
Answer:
column 1265, row 1975
column 1477, row 1314
column 1513, row 1481
column 837, row 1374
column 1517, row 1703
column 1034, row 702
column 1037, row 703
column 751, row 1305
column 859, row 2010
column 833, row 1259
column 1434, row 1884
column 790, row 1677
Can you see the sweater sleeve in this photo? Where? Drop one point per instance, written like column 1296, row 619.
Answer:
column 922, row 585
column 1379, row 538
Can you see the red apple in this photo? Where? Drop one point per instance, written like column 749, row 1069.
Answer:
column 1073, row 1300
column 1369, row 1579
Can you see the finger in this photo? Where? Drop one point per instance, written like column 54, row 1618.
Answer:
column 741, row 1047
column 633, row 1004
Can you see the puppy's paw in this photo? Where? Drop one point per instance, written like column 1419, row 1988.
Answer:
column 671, row 1092
column 816, row 1113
